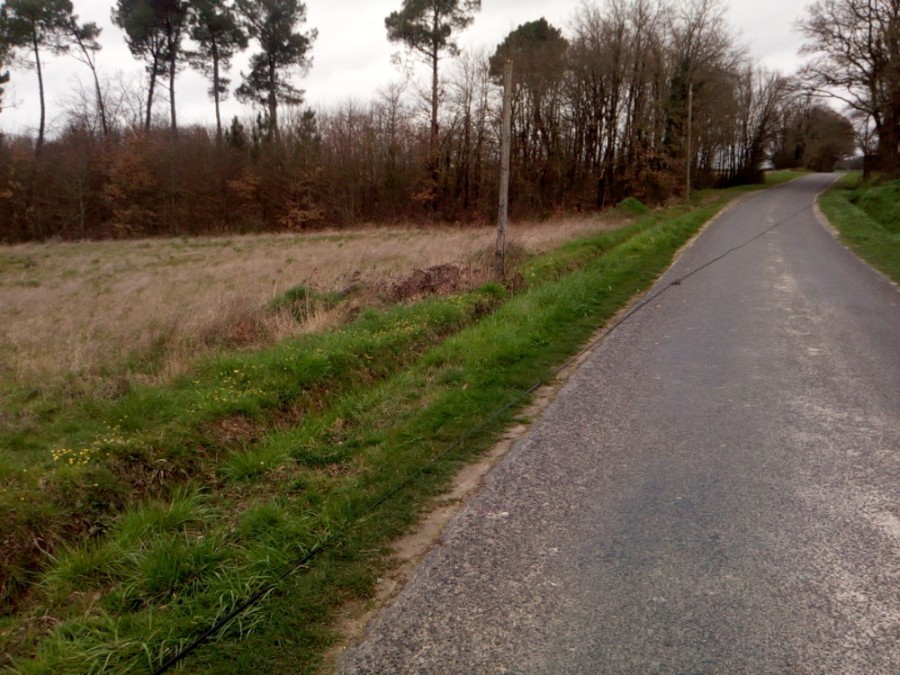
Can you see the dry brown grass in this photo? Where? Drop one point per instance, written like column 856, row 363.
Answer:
column 76, row 312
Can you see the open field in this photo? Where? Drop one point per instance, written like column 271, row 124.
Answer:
column 867, row 215
column 75, row 313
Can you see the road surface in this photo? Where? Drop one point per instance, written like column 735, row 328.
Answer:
column 716, row 490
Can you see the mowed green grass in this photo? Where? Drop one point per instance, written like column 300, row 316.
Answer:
column 141, row 520
column 867, row 215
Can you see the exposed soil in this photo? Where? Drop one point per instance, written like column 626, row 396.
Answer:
column 437, row 280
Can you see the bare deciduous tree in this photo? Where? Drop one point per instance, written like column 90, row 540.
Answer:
column 855, row 50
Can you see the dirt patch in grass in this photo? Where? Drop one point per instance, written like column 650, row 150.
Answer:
column 233, row 432
column 437, row 280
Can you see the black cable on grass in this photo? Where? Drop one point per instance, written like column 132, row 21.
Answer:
column 337, row 536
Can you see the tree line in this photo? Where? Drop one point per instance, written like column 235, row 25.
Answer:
column 601, row 111
column 155, row 31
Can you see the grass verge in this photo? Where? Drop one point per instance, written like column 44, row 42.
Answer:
column 867, row 216
column 173, row 504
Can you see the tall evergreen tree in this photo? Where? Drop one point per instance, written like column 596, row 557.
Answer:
column 214, row 26
column 172, row 14
column 4, row 78
column 538, row 51
column 4, row 50
column 153, row 33
column 426, row 28
column 283, row 50
column 84, row 36
column 33, row 25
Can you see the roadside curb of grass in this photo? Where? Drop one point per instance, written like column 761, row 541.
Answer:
column 823, row 219
column 829, row 227
column 353, row 619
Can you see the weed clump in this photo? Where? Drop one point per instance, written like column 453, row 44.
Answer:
column 632, row 207
column 302, row 302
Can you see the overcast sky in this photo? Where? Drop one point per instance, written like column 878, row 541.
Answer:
column 352, row 57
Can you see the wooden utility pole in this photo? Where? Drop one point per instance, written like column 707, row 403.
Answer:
column 690, row 148
column 505, row 141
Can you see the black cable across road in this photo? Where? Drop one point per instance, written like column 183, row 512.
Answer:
column 338, row 535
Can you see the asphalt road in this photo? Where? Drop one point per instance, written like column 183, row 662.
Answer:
column 717, row 489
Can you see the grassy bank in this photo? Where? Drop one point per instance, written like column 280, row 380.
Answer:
column 140, row 520
column 867, row 215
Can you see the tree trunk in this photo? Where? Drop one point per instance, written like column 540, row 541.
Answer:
column 170, row 44
column 889, row 143
column 101, row 106
column 37, row 60
column 433, row 138
column 888, row 159
column 273, row 99
column 215, row 55
column 151, row 89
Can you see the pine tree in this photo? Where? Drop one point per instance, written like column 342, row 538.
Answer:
column 33, row 26
column 283, row 50
column 426, row 27
column 85, row 37
column 153, row 32
column 214, row 26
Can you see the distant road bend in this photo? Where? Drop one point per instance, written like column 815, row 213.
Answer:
column 716, row 490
